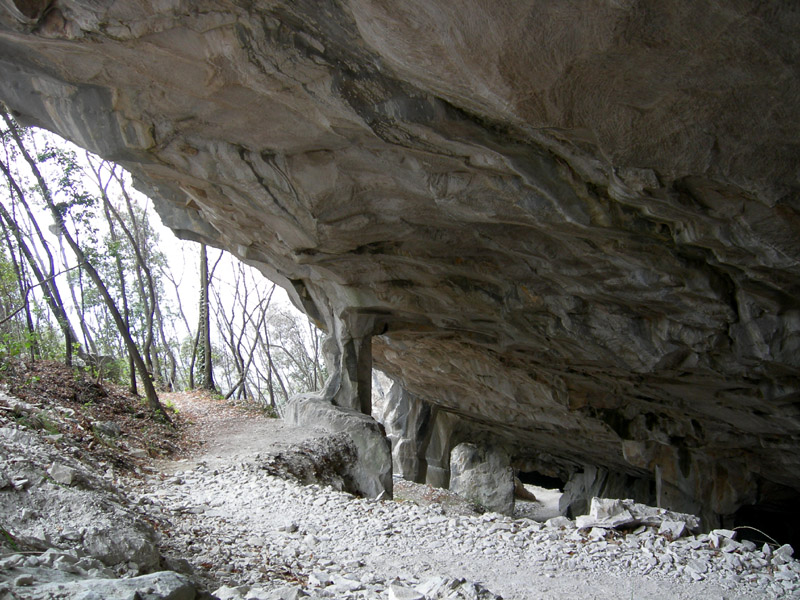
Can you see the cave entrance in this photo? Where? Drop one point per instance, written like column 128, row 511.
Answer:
column 775, row 520
column 547, row 491
column 543, row 481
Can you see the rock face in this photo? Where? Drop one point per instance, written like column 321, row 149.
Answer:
column 407, row 420
column 573, row 229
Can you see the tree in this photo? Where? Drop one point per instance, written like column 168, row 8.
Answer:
column 204, row 329
column 42, row 269
column 58, row 213
column 242, row 326
column 244, row 342
column 14, row 298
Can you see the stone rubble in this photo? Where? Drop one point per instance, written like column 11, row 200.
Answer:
column 52, row 500
column 611, row 513
column 268, row 538
column 67, row 530
column 70, row 532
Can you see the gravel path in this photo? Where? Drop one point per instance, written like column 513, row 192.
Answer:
column 238, row 525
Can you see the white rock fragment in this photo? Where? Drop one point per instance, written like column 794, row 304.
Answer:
column 726, row 533
column 673, row 529
column 559, row 523
column 62, row 474
column 231, row 593
column 400, row 592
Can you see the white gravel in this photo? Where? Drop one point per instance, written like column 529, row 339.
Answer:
column 243, row 526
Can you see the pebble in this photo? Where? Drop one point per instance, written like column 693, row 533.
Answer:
column 350, row 548
column 24, row 580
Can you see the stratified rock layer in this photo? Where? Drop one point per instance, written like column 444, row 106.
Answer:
column 572, row 227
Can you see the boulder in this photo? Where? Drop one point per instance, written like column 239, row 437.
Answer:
column 131, row 542
column 482, row 474
column 328, row 460
column 372, row 469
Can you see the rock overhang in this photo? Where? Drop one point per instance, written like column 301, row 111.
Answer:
column 576, row 230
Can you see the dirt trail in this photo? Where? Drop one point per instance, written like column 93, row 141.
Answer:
column 225, row 434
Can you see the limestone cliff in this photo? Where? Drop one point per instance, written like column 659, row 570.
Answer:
column 570, row 227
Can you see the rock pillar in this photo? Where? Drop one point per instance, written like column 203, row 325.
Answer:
column 437, row 455
column 345, row 403
column 409, row 424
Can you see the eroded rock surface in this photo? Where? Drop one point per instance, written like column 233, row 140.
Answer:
column 572, row 228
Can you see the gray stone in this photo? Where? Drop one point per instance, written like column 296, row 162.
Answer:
column 285, row 593
column 672, row 529
column 320, row 579
column 599, row 268
column 560, row 523
column 697, row 565
column 114, row 545
column 726, row 533
column 163, row 585
column 9, row 562
column 612, row 514
column 108, row 428
column 24, row 580
column 231, row 593
column 433, row 587
column 372, row 469
column 606, row 512
column 63, row 474
column 482, row 474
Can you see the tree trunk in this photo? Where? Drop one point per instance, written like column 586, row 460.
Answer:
column 205, row 321
column 44, row 278
column 51, row 296
column 19, row 271
column 126, row 315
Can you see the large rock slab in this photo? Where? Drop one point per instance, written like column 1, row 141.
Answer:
column 164, row 585
column 612, row 513
column 371, row 471
column 574, row 228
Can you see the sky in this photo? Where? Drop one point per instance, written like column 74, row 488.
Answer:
column 182, row 256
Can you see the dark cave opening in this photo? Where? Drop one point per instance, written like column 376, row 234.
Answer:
column 543, row 481
column 775, row 520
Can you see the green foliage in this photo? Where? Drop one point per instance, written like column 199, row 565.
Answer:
column 14, row 345
column 39, row 420
column 9, row 539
